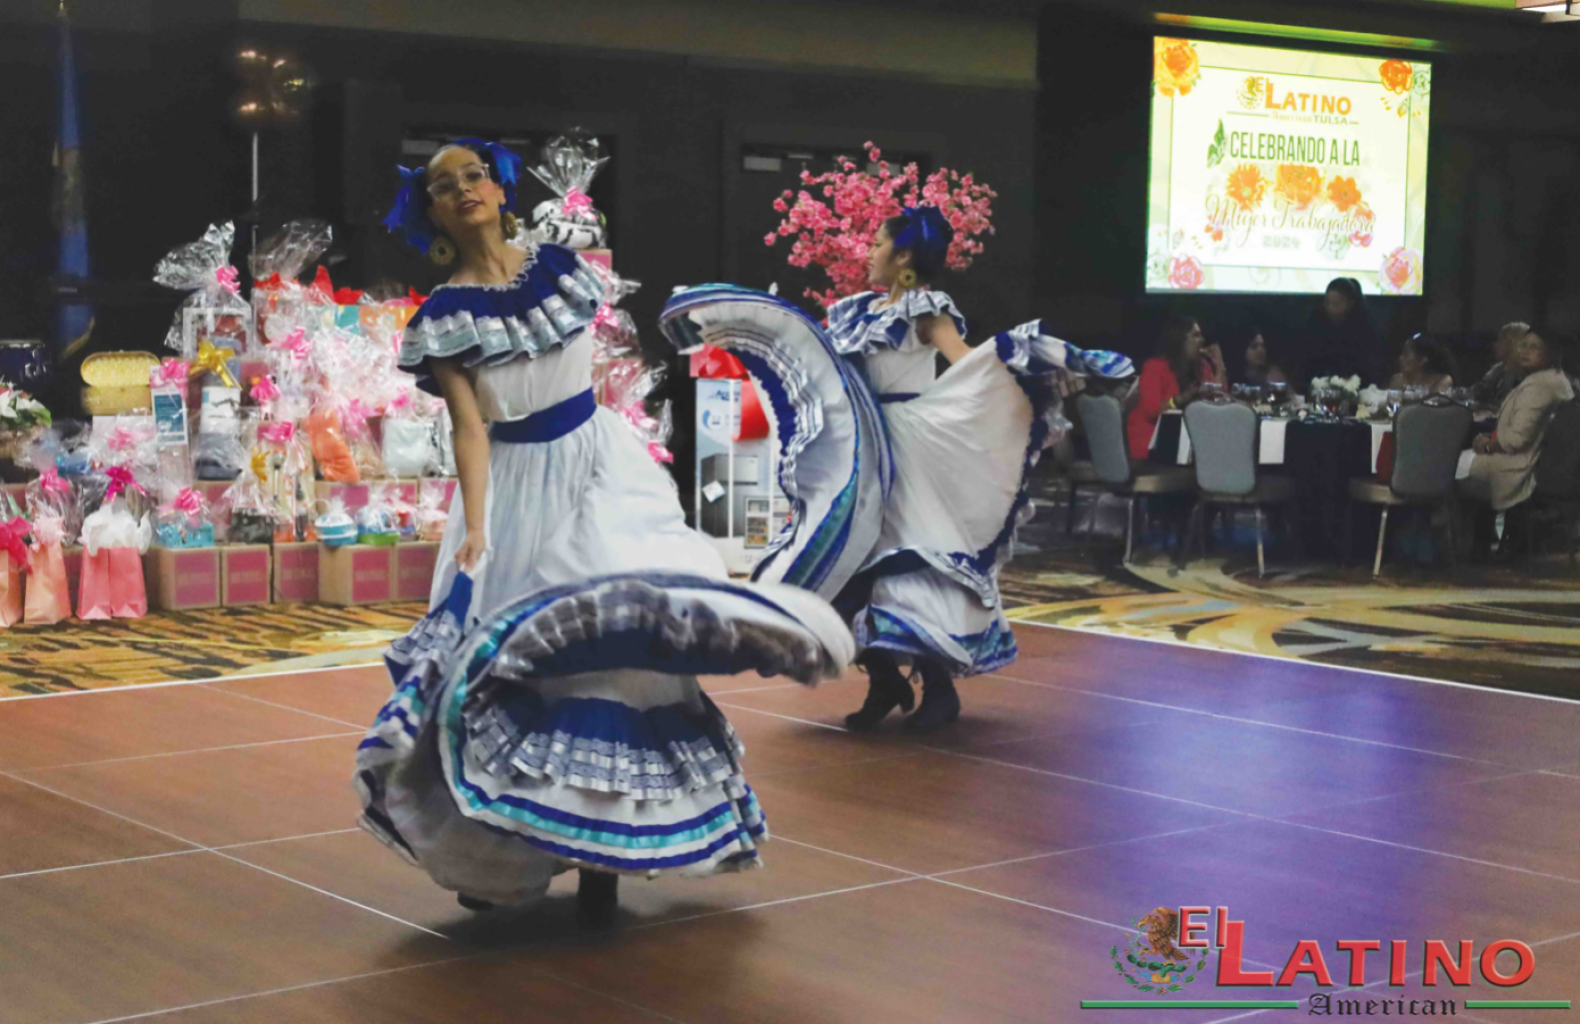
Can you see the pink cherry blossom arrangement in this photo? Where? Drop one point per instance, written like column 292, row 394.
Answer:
column 837, row 237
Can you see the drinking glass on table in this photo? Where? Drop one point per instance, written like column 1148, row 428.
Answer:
column 1395, row 399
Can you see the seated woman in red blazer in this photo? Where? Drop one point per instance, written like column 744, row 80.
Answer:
column 1173, row 378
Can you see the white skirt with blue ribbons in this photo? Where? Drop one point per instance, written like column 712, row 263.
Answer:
column 567, row 729
column 924, row 497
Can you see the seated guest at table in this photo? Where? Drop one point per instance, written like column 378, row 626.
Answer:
column 1424, row 363
column 1257, row 367
column 1173, row 378
column 1490, row 391
column 1341, row 340
column 1503, row 471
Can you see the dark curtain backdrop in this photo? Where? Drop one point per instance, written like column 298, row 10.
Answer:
column 163, row 160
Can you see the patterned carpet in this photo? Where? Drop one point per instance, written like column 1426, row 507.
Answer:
column 1510, row 627
column 195, row 645
column 1513, row 628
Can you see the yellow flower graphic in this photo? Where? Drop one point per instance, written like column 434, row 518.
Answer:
column 1343, row 193
column 1176, row 68
column 1247, row 186
column 1298, row 185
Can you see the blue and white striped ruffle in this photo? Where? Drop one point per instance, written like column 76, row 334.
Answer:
column 545, row 773
column 552, row 300
column 834, row 462
column 890, row 629
column 857, row 328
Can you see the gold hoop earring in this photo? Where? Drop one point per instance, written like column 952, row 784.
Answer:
column 512, row 226
column 442, row 251
column 907, row 279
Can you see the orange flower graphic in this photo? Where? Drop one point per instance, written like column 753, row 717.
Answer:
column 1298, row 185
column 1175, row 66
column 1247, row 186
column 1343, row 193
column 1397, row 76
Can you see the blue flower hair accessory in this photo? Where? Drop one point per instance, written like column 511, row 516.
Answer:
column 410, row 212
column 926, row 233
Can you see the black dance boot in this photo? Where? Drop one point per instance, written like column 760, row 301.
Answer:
column 597, row 898
column 940, row 702
column 887, row 689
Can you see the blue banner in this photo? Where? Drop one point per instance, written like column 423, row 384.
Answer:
column 73, row 322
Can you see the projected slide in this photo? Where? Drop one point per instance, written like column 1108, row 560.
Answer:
column 1277, row 170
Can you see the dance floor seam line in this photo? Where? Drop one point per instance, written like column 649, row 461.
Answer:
column 1285, row 659
column 1095, row 782
column 172, row 853
column 287, row 989
column 361, row 728
column 1423, row 849
column 184, row 753
column 1253, row 722
column 787, row 718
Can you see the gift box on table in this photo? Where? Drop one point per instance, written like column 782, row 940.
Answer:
column 356, row 574
column 415, row 564
column 182, row 579
column 245, row 574
column 296, row 571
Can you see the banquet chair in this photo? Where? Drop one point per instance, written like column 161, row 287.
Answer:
column 1428, row 438
column 1557, row 494
column 1112, row 470
column 1223, row 439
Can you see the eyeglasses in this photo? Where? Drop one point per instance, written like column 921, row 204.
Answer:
column 471, row 177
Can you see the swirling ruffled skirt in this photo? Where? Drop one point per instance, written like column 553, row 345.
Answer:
column 902, row 518
column 564, row 726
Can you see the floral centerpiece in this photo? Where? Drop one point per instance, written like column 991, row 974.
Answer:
column 835, row 232
column 22, row 419
column 1335, row 394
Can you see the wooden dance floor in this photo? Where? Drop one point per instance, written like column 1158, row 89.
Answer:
column 186, row 854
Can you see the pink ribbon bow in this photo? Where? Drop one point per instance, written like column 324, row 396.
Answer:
column 121, row 480
column 297, row 345
column 577, row 203
column 605, row 317
column 120, row 439
column 50, row 482
column 400, row 404
column 279, row 434
column 227, row 278
column 13, row 536
column 264, row 389
column 188, row 501
column 172, row 373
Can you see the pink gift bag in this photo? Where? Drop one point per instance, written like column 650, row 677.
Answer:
column 48, row 595
column 128, row 593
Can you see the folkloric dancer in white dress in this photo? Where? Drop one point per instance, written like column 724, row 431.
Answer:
column 546, row 713
column 906, row 487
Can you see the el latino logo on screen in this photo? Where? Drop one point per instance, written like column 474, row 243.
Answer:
column 1170, row 955
column 1260, row 93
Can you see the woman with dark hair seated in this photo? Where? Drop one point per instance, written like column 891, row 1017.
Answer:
column 1173, row 378
column 1503, row 470
column 1256, row 364
column 1424, row 363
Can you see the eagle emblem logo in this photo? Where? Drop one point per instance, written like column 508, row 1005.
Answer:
column 1250, row 92
column 1151, row 962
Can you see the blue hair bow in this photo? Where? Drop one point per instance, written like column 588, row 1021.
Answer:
column 926, row 232
column 409, row 214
